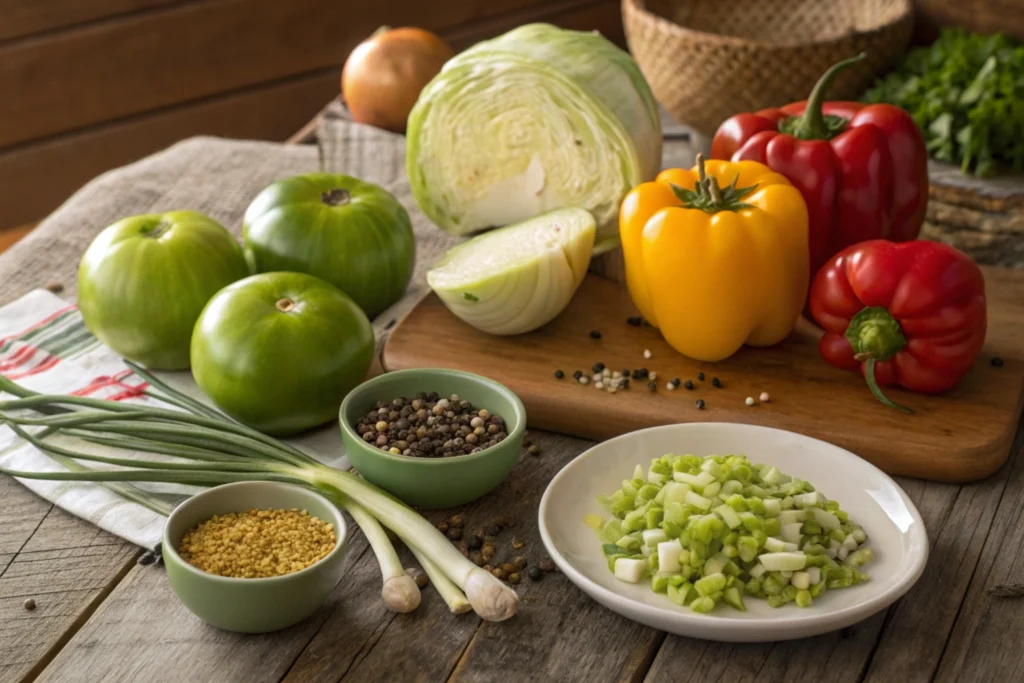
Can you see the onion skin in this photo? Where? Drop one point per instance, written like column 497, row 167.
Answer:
column 384, row 75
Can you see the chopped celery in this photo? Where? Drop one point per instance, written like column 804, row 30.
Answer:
column 728, row 516
column 710, row 583
column 732, row 528
column 733, row 597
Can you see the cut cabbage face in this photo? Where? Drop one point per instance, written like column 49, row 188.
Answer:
column 498, row 137
column 517, row 278
column 593, row 61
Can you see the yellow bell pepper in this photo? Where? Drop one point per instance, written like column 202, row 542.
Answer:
column 717, row 256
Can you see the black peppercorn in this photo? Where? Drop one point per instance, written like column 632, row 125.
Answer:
column 492, row 530
column 595, row 334
column 577, row 374
column 559, row 374
column 688, row 384
column 715, row 382
column 700, row 404
column 635, row 320
column 535, row 573
column 700, row 376
column 475, row 542
column 651, row 386
column 997, row 362
column 676, row 381
column 598, row 367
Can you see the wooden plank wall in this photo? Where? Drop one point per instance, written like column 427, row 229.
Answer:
column 88, row 85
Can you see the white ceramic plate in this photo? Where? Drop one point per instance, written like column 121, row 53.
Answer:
column 895, row 531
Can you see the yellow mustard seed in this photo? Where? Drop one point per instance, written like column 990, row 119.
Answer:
column 258, row 543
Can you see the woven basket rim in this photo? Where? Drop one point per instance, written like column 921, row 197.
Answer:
column 639, row 6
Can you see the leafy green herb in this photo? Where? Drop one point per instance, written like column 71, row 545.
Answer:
column 468, row 296
column 966, row 92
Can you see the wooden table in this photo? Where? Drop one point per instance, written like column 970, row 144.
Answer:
column 105, row 615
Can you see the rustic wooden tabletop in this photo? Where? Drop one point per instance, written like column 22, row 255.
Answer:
column 104, row 614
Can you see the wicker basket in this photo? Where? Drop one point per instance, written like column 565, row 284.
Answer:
column 709, row 59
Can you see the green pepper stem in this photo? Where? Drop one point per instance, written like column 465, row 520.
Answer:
column 876, row 391
column 812, row 124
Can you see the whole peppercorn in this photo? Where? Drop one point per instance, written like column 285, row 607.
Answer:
column 997, row 362
column 492, row 529
column 514, row 578
column 715, row 382
column 454, row 534
column 576, row 375
column 535, row 573
column 508, row 567
column 688, row 384
column 442, row 526
column 651, row 386
column 598, row 367
column 700, row 376
column 456, row 520
column 418, row 575
column 476, row 558
column 474, row 542
column 547, row 565
column 533, row 450
column 635, row 320
column 595, row 334
column 498, row 572
column 700, row 404
column 520, row 562
column 487, row 553
column 29, row 604
column 559, row 374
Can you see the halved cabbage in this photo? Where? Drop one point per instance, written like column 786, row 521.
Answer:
column 536, row 120
column 595, row 62
column 517, row 278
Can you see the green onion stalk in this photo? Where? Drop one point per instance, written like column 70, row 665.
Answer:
column 210, row 450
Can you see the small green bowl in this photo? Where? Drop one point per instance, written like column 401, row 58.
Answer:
column 434, row 483
column 252, row 605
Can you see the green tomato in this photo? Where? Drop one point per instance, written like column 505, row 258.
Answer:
column 279, row 351
column 144, row 280
column 355, row 235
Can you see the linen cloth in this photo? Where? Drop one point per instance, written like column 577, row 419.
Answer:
column 45, row 346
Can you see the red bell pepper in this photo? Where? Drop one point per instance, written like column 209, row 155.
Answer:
column 910, row 314
column 862, row 169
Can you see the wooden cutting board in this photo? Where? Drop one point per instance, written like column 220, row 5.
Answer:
column 961, row 436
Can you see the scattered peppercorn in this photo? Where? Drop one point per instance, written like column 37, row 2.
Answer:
column 508, row 567
column 454, row 534
column 498, row 572
column 534, row 573
column 492, row 529
column 442, row 526
column 418, row 575
column 765, row 397
column 670, row 386
column 750, row 400
column 456, row 521
column 635, row 320
column 595, row 334
column 533, row 450
column 474, row 542
column 577, row 374
column 584, row 380
column 640, row 373
column 258, row 543
column 476, row 558
column 429, row 426
column 651, row 386
column 55, row 288
column 520, row 562
column 547, row 565
column 514, row 578
column 688, row 384
column 518, row 543
column 598, row 367
column 647, row 353
column 700, row 404
column 487, row 553
column 559, row 374
column 700, row 376
column 29, row 604
column 715, row 382
column 997, row 362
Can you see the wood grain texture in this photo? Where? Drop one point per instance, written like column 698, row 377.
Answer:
column 43, row 175
column 961, row 436
column 65, row 564
column 216, row 46
column 26, row 17
column 142, row 632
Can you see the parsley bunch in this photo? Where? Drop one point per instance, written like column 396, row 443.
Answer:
column 966, row 92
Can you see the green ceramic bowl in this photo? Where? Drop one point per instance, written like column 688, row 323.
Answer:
column 252, row 605
column 434, row 483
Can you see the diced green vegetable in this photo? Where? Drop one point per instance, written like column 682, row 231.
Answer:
column 733, row 597
column 702, row 605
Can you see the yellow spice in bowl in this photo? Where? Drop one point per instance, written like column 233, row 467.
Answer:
column 258, row 543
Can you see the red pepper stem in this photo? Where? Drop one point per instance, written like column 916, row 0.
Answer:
column 876, row 391
column 812, row 125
